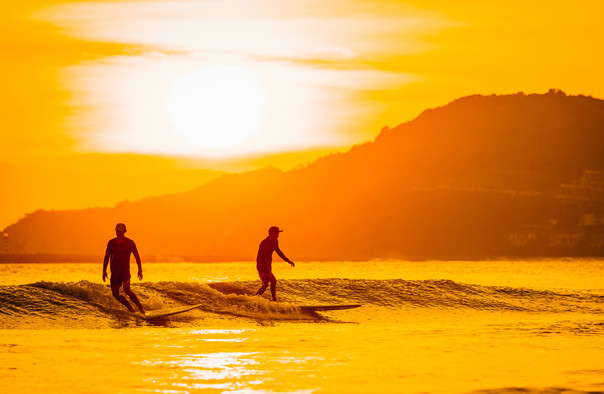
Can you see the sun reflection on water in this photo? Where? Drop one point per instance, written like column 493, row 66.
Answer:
column 221, row 370
column 228, row 371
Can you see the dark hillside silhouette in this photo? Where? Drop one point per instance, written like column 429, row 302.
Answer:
column 484, row 176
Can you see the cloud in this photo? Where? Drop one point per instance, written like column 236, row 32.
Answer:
column 314, row 60
column 334, row 52
column 262, row 28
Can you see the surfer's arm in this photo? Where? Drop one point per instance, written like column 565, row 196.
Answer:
column 106, row 261
column 280, row 253
column 138, row 262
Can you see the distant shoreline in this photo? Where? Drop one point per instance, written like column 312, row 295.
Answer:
column 78, row 259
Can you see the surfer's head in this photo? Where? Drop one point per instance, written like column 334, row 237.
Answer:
column 273, row 232
column 120, row 228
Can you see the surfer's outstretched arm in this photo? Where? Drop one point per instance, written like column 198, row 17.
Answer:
column 280, row 253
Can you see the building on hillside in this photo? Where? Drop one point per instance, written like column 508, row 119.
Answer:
column 589, row 188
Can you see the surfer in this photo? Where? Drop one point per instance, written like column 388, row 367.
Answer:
column 118, row 252
column 265, row 258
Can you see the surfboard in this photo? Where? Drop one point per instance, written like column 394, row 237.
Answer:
column 167, row 312
column 317, row 308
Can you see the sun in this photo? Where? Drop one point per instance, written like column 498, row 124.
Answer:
column 217, row 106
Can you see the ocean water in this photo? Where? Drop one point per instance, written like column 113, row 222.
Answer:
column 423, row 327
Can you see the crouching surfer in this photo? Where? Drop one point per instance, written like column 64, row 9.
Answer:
column 118, row 253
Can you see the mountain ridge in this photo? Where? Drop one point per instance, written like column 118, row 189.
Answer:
column 464, row 180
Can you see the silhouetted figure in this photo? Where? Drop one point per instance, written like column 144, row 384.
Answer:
column 118, row 252
column 265, row 258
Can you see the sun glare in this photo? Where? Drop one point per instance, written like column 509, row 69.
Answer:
column 216, row 106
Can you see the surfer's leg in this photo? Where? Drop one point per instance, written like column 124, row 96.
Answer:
column 273, row 281
column 116, row 294
column 262, row 288
column 264, row 279
column 133, row 296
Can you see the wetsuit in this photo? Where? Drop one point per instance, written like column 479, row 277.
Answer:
column 120, row 259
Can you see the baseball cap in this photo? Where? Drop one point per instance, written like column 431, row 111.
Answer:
column 274, row 229
column 120, row 227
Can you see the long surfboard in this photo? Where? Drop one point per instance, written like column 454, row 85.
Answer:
column 317, row 308
column 167, row 312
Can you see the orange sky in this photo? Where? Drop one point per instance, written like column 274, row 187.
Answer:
column 96, row 91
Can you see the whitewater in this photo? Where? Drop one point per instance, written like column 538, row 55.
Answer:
column 424, row 326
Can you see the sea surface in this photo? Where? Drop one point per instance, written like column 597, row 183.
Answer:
column 423, row 327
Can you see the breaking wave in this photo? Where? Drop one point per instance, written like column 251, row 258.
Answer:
column 91, row 304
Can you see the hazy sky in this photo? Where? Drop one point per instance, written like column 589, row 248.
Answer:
column 229, row 79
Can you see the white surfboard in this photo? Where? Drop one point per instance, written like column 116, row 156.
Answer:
column 316, row 308
column 150, row 315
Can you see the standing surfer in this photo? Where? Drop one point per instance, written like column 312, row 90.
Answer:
column 264, row 261
column 118, row 252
